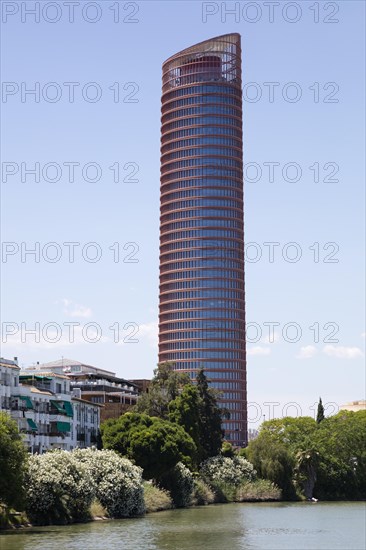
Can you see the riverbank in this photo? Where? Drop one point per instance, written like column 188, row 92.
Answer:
column 10, row 519
column 159, row 500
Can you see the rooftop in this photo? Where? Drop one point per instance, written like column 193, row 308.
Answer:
column 354, row 405
column 66, row 365
column 86, row 401
column 43, row 376
column 33, row 389
column 9, row 363
column 80, row 377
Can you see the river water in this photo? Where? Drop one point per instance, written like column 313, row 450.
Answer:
column 247, row 526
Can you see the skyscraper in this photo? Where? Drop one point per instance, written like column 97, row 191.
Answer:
column 202, row 298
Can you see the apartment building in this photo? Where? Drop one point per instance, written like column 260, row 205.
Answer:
column 99, row 386
column 48, row 415
column 9, row 381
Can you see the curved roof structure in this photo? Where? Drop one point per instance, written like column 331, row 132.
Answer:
column 195, row 64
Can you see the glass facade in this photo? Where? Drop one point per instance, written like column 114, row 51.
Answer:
column 202, row 298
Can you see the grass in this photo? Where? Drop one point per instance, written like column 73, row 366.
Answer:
column 97, row 510
column 260, row 490
column 257, row 491
column 156, row 499
column 10, row 519
column 202, row 493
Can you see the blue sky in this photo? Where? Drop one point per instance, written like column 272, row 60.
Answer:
column 319, row 64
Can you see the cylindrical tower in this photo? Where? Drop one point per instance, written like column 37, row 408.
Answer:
column 202, row 298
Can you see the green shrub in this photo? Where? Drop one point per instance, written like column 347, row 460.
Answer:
column 156, row 499
column 227, row 449
column 179, row 482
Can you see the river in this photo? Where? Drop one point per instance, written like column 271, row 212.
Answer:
column 247, row 526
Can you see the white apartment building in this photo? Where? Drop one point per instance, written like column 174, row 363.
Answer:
column 9, row 381
column 86, row 422
column 47, row 413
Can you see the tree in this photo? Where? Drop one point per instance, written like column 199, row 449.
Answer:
column 13, row 460
column 289, row 431
column 99, row 441
column 341, row 442
column 211, row 417
column 272, row 460
column 196, row 409
column 320, row 413
column 327, row 458
column 155, row 444
column 185, row 410
column 165, row 386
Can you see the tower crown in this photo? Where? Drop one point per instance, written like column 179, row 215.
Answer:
column 217, row 59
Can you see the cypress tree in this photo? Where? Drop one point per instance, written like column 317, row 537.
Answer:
column 320, row 413
column 211, row 417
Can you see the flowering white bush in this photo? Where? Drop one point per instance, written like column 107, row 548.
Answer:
column 220, row 469
column 118, row 483
column 59, row 488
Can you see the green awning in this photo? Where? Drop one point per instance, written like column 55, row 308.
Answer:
column 27, row 400
column 33, row 377
column 33, row 426
column 59, row 406
column 68, row 408
column 63, row 426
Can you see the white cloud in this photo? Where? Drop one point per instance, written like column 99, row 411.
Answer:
column 271, row 338
column 258, row 350
column 81, row 311
column 146, row 332
column 306, row 352
column 71, row 309
column 150, row 332
column 342, row 352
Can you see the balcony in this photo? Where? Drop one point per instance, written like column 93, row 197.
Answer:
column 16, row 407
column 58, row 440
column 60, row 429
